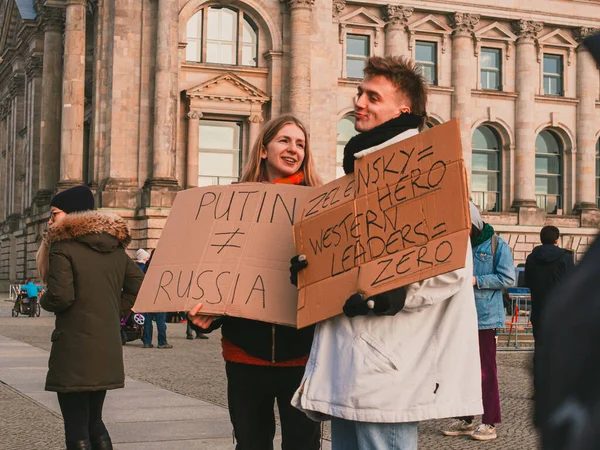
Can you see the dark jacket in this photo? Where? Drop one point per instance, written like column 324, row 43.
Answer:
column 274, row 343
column 546, row 266
column 567, row 363
column 91, row 283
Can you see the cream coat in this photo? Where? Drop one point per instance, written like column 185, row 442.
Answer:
column 422, row 363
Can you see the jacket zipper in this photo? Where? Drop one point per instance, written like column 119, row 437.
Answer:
column 273, row 346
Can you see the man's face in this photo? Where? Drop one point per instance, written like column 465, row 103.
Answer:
column 377, row 101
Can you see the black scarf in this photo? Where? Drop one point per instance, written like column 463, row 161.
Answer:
column 378, row 135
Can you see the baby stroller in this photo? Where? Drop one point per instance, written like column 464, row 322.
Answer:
column 132, row 327
column 26, row 306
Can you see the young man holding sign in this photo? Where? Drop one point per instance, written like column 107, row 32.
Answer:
column 406, row 355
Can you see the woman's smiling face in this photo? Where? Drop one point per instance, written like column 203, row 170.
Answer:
column 284, row 154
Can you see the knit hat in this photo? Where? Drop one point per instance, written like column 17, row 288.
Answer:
column 476, row 219
column 75, row 199
column 142, row 255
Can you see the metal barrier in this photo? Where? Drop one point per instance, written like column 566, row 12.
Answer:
column 519, row 325
column 13, row 291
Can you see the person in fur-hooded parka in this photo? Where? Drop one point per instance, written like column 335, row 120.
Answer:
column 91, row 283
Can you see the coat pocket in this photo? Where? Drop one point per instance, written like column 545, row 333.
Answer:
column 376, row 352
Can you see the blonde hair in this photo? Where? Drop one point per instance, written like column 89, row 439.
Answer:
column 256, row 167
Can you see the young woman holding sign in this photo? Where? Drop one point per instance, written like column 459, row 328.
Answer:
column 264, row 361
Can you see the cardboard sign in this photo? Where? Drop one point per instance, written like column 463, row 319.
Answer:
column 402, row 217
column 228, row 247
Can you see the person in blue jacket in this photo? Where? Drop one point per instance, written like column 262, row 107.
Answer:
column 493, row 270
column 32, row 294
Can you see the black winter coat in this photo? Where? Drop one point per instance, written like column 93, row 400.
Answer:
column 546, row 266
column 274, row 343
column 91, row 283
column 567, row 361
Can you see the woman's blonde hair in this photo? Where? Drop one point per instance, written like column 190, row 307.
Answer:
column 256, row 170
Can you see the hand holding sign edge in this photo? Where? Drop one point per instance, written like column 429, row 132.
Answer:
column 297, row 263
column 200, row 320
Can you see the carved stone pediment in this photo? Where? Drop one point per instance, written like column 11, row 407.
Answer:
column 558, row 39
column 428, row 25
column 362, row 17
column 495, row 32
column 229, row 87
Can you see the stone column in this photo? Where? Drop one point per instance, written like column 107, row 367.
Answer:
column 587, row 93
column 33, row 71
column 274, row 82
column 396, row 17
column 52, row 22
column 462, row 79
column 527, row 76
column 254, row 124
column 165, row 99
column 300, row 44
column 193, row 146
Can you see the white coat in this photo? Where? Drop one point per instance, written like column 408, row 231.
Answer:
column 422, row 363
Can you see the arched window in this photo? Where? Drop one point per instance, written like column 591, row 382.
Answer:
column 598, row 173
column 548, row 171
column 222, row 35
column 345, row 131
column 485, row 187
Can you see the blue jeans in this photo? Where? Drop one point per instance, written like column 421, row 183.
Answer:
column 349, row 435
column 161, row 325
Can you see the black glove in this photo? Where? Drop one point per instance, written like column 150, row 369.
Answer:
column 385, row 304
column 356, row 306
column 389, row 303
column 297, row 263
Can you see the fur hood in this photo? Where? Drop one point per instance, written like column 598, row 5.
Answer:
column 77, row 225
column 87, row 227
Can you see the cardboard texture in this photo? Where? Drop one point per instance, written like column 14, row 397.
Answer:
column 228, row 247
column 402, row 217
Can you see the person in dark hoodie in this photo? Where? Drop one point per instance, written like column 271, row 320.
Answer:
column 545, row 267
column 91, row 284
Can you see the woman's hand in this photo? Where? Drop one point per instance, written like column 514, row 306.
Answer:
column 200, row 320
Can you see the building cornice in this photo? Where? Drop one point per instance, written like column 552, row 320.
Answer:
column 556, row 100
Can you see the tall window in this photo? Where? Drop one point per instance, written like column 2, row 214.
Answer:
column 222, row 35
column 219, row 158
column 426, row 59
column 598, row 173
column 553, row 74
column 357, row 52
column 548, row 171
column 491, row 74
column 345, row 131
column 193, row 51
column 485, row 188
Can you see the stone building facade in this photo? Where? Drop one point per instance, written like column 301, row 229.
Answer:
column 142, row 98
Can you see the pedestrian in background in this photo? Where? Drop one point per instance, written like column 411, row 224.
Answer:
column 161, row 322
column 264, row 361
column 545, row 268
column 32, row 295
column 493, row 270
column 141, row 258
column 91, row 282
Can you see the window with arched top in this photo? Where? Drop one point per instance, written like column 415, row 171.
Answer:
column 345, row 131
column 222, row 35
column 486, row 167
column 598, row 172
column 548, row 171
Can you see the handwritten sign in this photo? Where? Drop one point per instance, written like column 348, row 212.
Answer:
column 402, row 217
column 228, row 247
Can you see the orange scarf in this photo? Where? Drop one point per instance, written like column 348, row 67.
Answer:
column 297, row 178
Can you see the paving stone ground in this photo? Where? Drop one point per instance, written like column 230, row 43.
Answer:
column 195, row 368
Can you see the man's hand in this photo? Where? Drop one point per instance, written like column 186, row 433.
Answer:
column 297, row 263
column 356, row 306
column 385, row 304
column 200, row 320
